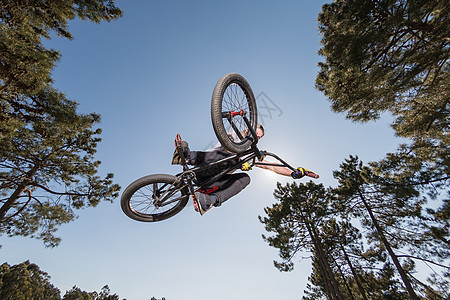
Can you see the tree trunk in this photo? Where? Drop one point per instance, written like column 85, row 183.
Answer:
column 355, row 275
column 326, row 279
column 329, row 271
column 336, row 293
column 343, row 279
column 19, row 190
column 394, row 258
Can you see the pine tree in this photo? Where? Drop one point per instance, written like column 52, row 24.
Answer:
column 310, row 218
column 26, row 281
column 343, row 241
column 393, row 216
column 295, row 221
column 389, row 55
column 393, row 56
column 26, row 64
column 47, row 167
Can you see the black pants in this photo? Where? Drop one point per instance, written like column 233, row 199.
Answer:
column 229, row 184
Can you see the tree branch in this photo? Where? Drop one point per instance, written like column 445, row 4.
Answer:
column 59, row 193
column 423, row 259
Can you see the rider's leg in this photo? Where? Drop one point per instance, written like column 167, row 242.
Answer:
column 201, row 158
column 206, row 157
column 196, row 157
column 230, row 185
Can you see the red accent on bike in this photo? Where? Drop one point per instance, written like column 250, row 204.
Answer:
column 208, row 191
column 213, row 189
column 234, row 114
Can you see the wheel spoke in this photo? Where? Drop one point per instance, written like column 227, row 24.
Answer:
column 233, row 108
column 144, row 199
column 234, row 99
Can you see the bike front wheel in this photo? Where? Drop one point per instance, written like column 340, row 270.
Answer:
column 233, row 99
column 154, row 198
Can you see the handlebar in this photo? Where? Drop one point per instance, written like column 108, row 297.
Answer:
column 283, row 164
column 311, row 174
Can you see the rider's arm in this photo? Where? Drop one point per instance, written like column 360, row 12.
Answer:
column 279, row 170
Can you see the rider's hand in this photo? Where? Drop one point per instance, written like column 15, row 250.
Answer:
column 263, row 155
column 246, row 167
column 299, row 173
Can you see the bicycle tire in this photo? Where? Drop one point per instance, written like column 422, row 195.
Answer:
column 233, row 93
column 137, row 199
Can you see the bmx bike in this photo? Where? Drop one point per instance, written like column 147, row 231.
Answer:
column 234, row 117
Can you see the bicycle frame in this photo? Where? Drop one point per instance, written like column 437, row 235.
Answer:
column 189, row 178
column 156, row 197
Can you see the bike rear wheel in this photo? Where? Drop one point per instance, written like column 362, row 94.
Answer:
column 232, row 98
column 140, row 200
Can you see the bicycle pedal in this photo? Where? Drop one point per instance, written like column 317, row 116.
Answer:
column 178, row 140
column 194, row 201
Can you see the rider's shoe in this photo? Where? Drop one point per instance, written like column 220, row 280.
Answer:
column 176, row 159
column 203, row 202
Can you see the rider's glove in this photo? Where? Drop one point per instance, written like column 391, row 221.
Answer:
column 263, row 155
column 246, row 167
column 299, row 173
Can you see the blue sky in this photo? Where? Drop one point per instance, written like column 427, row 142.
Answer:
column 150, row 75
